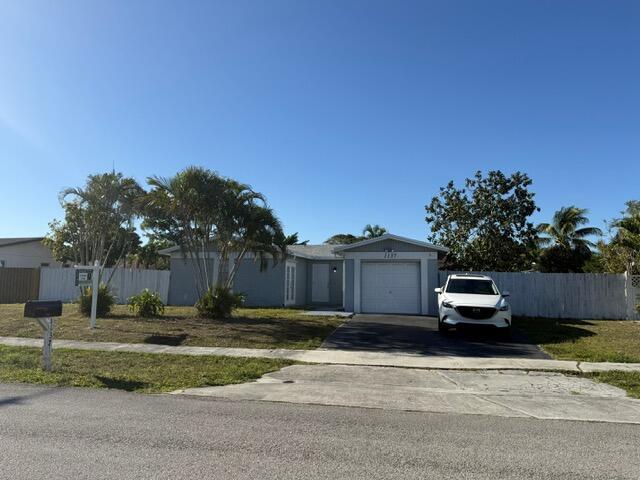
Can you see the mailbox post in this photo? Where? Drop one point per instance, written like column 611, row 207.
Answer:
column 86, row 276
column 44, row 312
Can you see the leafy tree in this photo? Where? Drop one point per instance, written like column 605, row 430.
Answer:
column 486, row 223
column 99, row 221
column 373, row 231
column 209, row 216
column 342, row 239
column 148, row 256
column 567, row 241
column 369, row 231
column 559, row 259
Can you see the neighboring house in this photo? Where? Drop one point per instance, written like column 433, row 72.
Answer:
column 25, row 253
column 387, row 274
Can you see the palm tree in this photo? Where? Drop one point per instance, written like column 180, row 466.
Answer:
column 198, row 209
column 104, row 211
column 565, row 230
column 373, row 231
column 258, row 232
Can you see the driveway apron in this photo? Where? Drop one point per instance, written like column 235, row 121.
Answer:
column 419, row 335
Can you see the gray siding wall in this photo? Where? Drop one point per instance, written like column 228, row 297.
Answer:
column 264, row 289
column 433, row 282
column 301, row 281
column 394, row 245
column 335, row 281
column 348, row 285
column 182, row 286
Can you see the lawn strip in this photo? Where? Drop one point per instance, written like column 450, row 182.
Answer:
column 248, row 328
column 136, row 372
column 585, row 340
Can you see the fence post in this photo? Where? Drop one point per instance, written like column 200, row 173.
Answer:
column 631, row 294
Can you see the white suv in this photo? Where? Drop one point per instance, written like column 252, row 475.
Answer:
column 472, row 299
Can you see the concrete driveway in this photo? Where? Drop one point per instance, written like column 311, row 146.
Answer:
column 419, row 335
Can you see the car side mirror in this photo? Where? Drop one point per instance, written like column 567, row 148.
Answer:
column 437, row 290
column 506, row 293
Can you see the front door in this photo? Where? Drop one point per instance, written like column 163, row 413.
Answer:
column 320, row 283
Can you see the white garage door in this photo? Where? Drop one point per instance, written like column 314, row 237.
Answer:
column 391, row 287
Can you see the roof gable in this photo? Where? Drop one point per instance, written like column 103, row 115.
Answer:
column 390, row 236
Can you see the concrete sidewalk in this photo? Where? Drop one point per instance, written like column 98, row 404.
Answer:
column 539, row 395
column 340, row 357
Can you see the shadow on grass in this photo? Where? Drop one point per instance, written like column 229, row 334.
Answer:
column 548, row 330
column 121, row 384
column 171, row 340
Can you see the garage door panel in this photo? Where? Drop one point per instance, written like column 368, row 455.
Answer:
column 390, row 287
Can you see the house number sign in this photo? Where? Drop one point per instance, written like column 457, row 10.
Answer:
column 390, row 255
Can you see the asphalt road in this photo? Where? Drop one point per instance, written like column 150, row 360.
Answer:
column 82, row 433
column 415, row 334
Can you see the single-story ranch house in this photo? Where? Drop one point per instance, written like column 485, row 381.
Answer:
column 387, row 274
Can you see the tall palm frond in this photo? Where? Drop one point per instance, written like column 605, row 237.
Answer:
column 564, row 230
column 373, row 231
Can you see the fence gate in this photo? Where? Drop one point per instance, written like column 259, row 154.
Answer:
column 17, row 285
column 633, row 296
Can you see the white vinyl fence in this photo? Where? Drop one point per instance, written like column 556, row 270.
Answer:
column 564, row 295
column 59, row 283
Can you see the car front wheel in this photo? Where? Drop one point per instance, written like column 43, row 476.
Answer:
column 442, row 327
column 505, row 332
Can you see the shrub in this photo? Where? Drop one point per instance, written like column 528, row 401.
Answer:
column 105, row 301
column 218, row 302
column 146, row 304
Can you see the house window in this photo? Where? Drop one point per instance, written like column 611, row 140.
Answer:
column 2, row 263
column 44, row 264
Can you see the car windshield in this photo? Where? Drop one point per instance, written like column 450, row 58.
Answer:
column 474, row 287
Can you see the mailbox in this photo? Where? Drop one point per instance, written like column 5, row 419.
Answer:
column 43, row 309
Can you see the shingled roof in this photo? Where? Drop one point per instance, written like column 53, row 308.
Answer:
column 4, row 242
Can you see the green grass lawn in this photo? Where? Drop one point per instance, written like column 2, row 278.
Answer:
column 585, row 340
column 629, row 381
column 248, row 328
column 136, row 372
column 590, row 341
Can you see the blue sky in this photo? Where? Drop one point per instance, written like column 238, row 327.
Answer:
column 342, row 112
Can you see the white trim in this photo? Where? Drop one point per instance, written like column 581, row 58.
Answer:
column 391, row 256
column 290, row 283
column 357, row 284
column 389, row 236
column 424, row 282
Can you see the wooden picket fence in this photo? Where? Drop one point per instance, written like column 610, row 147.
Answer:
column 59, row 283
column 564, row 295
